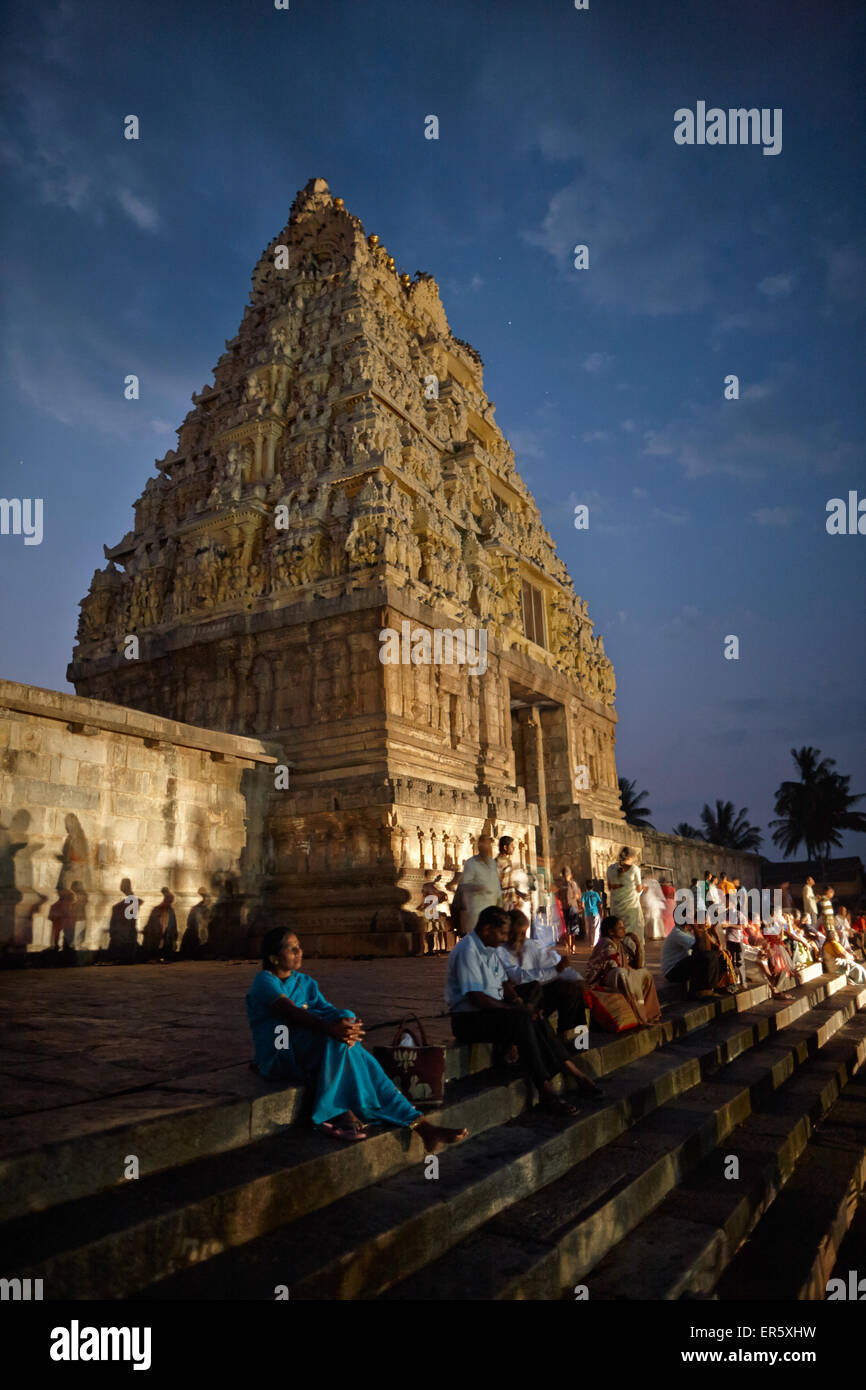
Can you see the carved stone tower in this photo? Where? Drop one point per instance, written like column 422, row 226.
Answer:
column 344, row 476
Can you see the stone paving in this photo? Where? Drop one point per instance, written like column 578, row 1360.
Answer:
column 84, row 1049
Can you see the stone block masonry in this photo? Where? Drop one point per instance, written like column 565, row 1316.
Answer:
column 93, row 793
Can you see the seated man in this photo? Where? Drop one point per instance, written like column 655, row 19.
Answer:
column 541, row 975
column 485, row 1007
column 682, row 964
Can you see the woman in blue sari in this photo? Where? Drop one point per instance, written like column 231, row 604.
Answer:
column 298, row 1036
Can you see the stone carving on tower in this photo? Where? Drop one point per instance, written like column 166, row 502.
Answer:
column 344, row 472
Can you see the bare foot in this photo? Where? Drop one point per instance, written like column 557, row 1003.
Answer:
column 435, row 1138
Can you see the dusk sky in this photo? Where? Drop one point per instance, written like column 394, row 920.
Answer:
column 556, row 127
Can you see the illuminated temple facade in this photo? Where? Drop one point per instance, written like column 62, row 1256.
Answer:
column 343, row 476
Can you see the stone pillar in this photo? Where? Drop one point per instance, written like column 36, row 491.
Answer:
column 257, row 461
column 269, row 456
column 534, row 753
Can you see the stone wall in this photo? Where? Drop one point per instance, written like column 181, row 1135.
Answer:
column 689, row 858
column 92, row 792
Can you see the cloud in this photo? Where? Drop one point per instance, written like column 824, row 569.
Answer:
column 686, row 620
column 744, row 440
column 526, row 444
column 675, row 517
column 758, row 391
column 776, row 516
column 138, row 210
column 597, row 361
column 82, row 173
column 595, row 437
column 645, row 257
column 776, row 286
column 846, row 275
column 629, row 426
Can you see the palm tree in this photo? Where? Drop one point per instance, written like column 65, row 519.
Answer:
column 636, row 814
column 687, row 831
column 814, row 811
column 729, row 828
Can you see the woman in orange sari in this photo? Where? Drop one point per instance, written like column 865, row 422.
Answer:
column 617, row 964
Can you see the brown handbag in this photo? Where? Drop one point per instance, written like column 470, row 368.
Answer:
column 418, row 1071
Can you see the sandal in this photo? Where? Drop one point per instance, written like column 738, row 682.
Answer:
column 348, row 1135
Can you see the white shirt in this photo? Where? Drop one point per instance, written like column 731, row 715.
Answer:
column 473, row 968
column 481, row 888
column 537, row 963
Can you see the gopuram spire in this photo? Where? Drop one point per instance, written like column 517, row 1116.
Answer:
column 342, row 475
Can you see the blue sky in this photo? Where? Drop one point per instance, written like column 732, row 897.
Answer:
column 707, row 516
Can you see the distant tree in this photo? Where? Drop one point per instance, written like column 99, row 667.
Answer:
column 814, row 811
column 636, row 814
column 688, row 831
column 729, row 828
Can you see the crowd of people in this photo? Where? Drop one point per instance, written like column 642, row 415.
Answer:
column 512, row 972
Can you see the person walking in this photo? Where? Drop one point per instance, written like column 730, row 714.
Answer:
column 591, row 912
column 624, row 882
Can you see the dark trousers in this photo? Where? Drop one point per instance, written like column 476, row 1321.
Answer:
column 563, row 997
column 703, row 968
column 542, row 1055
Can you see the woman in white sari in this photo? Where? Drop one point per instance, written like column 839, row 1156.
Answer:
column 623, row 880
column 653, row 905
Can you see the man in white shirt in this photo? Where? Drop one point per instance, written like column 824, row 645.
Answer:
column 479, row 882
column 810, row 906
column 542, row 976
column 485, row 1007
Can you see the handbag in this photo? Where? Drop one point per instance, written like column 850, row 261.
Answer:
column 418, row 1070
column 611, row 1010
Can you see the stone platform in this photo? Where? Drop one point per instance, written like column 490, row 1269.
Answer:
column 237, row 1198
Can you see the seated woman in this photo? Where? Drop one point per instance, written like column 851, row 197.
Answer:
column 781, row 968
column 617, row 964
column 298, row 1036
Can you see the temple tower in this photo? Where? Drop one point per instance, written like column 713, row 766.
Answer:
column 344, row 479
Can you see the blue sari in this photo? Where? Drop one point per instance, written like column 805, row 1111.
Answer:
column 340, row 1077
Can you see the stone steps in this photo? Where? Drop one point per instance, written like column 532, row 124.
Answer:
column 682, row 1249
column 553, row 1240
column 357, row 1246
column 238, row 1218
column 795, row 1247
column 227, row 1109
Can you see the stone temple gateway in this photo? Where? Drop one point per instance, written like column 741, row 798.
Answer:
column 344, row 475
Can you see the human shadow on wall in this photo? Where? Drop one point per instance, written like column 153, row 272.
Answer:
column 74, row 856
column 20, row 900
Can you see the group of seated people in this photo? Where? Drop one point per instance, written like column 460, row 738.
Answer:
column 504, row 987
column 713, row 959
